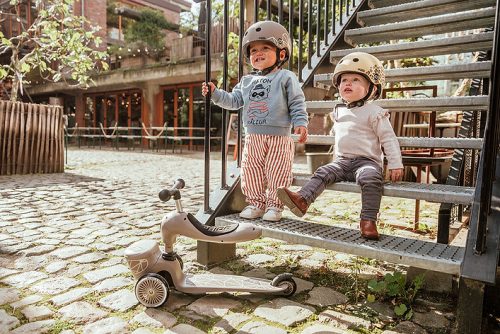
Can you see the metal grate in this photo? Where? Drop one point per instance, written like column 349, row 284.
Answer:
column 417, row 253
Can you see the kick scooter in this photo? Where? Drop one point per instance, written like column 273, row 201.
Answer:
column 157, row 272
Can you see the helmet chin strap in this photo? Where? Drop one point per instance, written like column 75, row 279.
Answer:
column 269, row 69
column 360, row 103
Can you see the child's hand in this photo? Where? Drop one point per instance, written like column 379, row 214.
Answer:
column 396, row 174
column 302, row 132
column 204, row 88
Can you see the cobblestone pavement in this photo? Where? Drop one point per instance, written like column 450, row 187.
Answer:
column 62, row 270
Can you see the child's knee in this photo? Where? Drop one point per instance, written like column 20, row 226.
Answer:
column 369, row 175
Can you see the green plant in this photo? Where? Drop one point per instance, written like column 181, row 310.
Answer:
column 56, row 44
column 148, row 30
column 394, row 287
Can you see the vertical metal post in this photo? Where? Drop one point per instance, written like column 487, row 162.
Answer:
column 301, row 36
column 334, row 15
column 490, row 142
column 325, row 26
column 309, row 33
column 255, row 11
column 268, row 9
column 290, row 31
column 318, row 29
column 340, row 11
column 280, row 11
column 208, row 72
column 239, row 142
column 223, row 183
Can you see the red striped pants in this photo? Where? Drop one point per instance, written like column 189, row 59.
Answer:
column 266, row 165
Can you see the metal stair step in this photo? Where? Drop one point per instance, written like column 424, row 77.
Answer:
column 467, row 20
column 422, row 73
column 439, row 193
column 411, row 252
column 445, row 103
column 387, row 3
column 424, row 48
column 429, row 142
column 418, row 9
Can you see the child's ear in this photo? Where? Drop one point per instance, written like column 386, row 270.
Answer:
column 282, row 54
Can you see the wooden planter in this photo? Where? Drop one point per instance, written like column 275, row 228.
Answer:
column 31, row 138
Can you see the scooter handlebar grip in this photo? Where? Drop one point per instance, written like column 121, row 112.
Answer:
column 166, row 194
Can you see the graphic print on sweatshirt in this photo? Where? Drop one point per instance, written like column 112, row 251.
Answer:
column 258, row 108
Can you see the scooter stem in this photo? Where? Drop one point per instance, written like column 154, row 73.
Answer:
column 178, row 205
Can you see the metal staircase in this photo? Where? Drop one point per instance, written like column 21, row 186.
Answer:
column 382, row 28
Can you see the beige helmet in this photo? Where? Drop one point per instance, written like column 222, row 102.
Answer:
column 366, row 65
column 267, row 31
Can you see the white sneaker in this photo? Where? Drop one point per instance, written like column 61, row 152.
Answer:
column 272, row 215
column 251, row 212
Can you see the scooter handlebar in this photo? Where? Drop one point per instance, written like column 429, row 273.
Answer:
column 166, row 194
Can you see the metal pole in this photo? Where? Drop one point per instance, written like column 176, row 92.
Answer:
column 223, row 182
column 208, row 71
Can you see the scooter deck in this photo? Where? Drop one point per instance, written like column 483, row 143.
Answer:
column 201, row 283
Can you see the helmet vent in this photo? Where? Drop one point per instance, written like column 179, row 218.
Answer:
column 258, row 29
column 355, row 60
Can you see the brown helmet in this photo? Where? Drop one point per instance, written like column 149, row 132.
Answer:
column 270, row 31
column 366, row 65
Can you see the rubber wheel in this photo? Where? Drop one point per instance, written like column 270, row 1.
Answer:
column 151, row 290
column 285, row 281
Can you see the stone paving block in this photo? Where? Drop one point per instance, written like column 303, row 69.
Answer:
column 81, row 312
column 55, row 285
column 100, row 274
column 113, row 283
column 120, row 300
column 7, row 322
column 42, row 326
column 70, row 296
column 89, row 257
column 8, row 295
column 184, row 329
column 342, row 320
column 31, row 299
column 35, row 313
column 229, row 323
column 54, row 267
column 112, row 325
column 254, row 327
column 70, row 251
column 321, row 328
column 284, row 311
column 323, row 296
column 155, row 318
column 257, row 259
column 213, row 305
column 25, row 279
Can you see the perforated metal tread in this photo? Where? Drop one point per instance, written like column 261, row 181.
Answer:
column 439, row 193
column 411, row 252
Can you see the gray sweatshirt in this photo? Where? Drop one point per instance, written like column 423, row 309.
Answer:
column 271, row 104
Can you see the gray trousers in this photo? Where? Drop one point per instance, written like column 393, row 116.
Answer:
column 366, row 173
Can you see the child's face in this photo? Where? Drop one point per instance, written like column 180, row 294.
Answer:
column 262, row 55
column 353, row 87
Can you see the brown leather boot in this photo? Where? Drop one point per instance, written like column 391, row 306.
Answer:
column 368, row 229
column 296, row 203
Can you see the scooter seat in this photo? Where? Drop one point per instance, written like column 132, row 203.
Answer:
column 211, row 231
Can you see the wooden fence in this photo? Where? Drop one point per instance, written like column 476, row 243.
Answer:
column 31, row 138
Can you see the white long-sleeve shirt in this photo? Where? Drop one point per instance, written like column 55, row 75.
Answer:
column 364, row 131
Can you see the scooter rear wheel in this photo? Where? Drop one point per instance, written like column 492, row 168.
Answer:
column 152, row 290
column 285, row 281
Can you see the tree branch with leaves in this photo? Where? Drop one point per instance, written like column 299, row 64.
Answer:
column 57, row 45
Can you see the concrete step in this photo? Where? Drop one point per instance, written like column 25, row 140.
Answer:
column 462, row 21
column 418, row 9
column 428, row 142
column 445, row 103
column 423, row 73
column 387, row 3
column 424, row 48
column 410, row 252
column 439, row 193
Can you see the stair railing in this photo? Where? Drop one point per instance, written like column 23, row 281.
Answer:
column 326, row 22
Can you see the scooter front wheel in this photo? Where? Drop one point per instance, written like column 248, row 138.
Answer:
column 286, row 282
column 152, row 290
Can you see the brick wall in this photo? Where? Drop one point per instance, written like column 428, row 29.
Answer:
column 95, row 12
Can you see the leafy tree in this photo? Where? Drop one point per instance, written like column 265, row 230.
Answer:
column 58, row 44
column 147, row 31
